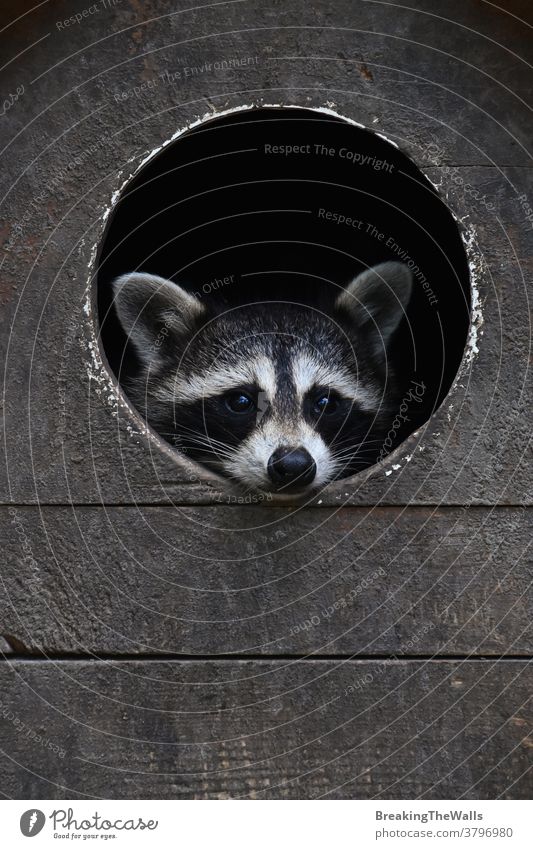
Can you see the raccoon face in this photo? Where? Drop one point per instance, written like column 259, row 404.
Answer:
column 277, row 396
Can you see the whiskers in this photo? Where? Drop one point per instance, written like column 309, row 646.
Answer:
column 186, row 438
column 342, row 457
column 351, row 456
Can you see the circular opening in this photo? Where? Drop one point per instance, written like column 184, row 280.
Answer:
column 316, row 304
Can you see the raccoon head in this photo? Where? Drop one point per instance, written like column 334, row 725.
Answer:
column 277, row 396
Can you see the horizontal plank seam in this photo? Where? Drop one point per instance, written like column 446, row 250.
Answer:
column 204, row 504
column 254, row 658
column 494, row 167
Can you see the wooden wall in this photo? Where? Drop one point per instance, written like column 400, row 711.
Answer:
column 159, row 641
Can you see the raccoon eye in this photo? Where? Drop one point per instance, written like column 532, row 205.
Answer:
column 325, row 403
column 239, row 402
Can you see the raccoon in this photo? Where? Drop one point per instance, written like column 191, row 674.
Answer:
column 276, row 396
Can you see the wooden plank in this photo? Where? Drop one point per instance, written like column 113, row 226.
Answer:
column 266, row 730
column 67, row 436
column 267, row 582
column 390, row 67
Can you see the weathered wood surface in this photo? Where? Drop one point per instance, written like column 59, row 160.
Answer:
column 265, row 730
column 224, row 580
column 66, row 436
column 206, row 580
column 449, row 69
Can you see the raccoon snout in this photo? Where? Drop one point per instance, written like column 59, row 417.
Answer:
column 291, row 468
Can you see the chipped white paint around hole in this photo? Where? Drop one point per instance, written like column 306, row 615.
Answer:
column 475, row 265
column 107, row 386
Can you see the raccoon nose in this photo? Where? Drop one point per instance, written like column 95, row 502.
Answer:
column 291, row 468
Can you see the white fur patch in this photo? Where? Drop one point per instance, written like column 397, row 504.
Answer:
column 250, row 460
column 308, row 372
column 218, row 380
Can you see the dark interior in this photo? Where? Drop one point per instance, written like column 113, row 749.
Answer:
column 216, row 204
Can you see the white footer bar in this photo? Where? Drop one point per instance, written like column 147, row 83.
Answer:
column 247, row 824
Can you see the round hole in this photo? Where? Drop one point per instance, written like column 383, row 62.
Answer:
column 262, row 219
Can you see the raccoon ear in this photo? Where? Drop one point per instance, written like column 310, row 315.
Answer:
column 376, row 300
column 153, row 310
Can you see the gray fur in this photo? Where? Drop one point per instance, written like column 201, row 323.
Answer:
column 189, row 361
column 150, row 307
column 377, row 298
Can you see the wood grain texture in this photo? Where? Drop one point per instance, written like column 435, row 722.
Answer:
column 405, row 729
column 143, row 559
column 67, row 437
column 230, row 580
